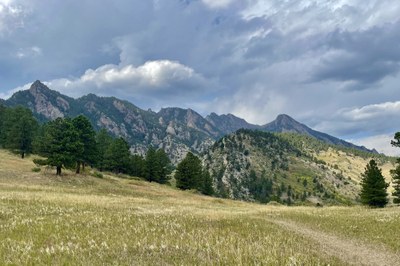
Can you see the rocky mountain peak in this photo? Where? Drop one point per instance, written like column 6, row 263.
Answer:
column 285, row 123
column 38, row 87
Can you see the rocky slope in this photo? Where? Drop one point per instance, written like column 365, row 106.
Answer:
column 229, row 123
column 290, row 168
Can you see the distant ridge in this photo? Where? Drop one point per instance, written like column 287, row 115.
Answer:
column 229, row 123
column 285, row 123
column 175, row 129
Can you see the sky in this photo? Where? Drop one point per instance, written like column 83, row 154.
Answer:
column 333, row 65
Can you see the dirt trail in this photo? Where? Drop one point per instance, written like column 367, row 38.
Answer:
column 349, row 251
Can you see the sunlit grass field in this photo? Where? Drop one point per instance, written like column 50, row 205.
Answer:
column 84, row 220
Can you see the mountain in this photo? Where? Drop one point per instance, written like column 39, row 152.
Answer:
column 176, row 130
column 46, row 104
column 287, row 167
column 229, row 123
column 190, row 119
column 284, row 123
column 139, row 127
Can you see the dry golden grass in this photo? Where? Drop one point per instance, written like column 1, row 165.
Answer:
column 352, row 166
column 83, row 220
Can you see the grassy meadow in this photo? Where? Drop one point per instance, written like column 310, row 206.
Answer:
column 86, row 220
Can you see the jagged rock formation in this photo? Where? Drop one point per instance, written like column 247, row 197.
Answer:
column 229, row 123
column 174, row 129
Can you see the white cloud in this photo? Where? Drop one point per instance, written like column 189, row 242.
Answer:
column 366, row 120
column 373, row 111
column 217, row 3
column 309, row 16
column 257, row 104
column 8, row 94
column 11, row 16
column 379, row 142
column 159, row 81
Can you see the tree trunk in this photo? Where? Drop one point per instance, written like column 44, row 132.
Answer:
column 58, row 170
column 22, row 155
column 78, row 167
column 83, row 166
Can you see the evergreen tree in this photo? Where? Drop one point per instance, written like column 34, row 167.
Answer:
column 117, row 157
column 151, row 171
column 396, row 141
column 163, row 165
column 87, row 136
column 207, row 187
column 373, row 192
column 103, row 142
column 396, row 182
column 2, row 127
column 158, row 166
column 189, row 172
column 396, row 172
column 19, row 128
column 60, row 144
column 138, row 166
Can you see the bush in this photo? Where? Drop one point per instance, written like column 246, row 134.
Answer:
column 36, row 169
column 98, row 175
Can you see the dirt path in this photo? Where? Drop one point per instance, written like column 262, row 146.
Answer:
column 349, row 251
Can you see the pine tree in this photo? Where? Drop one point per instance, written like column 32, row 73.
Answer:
column 189, row 172
column 207, row 186
column 3, row 110
column 396, row 172
column 163, row 164
column 151, row 171
column 19, row 129
column 60, row 144
column 87, row 136
column 396, row 182
column 138, row 166
column 158, row 166
column 373, row 192
column 103, row 142
column 117, row 157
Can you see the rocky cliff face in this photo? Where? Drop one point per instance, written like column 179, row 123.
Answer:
column 45, row 103
column 190, row 119
column 174, row 129
column 229, row 123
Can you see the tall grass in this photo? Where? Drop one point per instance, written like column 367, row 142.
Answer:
column 84, row 220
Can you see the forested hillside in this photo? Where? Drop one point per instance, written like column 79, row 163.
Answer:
column 287, row 167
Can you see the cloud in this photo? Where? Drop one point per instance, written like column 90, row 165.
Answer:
column 28, row 52
column 362, row 57
column 365, row 121
column 159, row 82
column 217, row 3
column 11, row 17
column 379, row 142
column 314, row 60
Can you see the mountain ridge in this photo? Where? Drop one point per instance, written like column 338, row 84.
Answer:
column 177, row 130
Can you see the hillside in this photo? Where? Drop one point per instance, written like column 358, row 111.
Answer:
column 288, row 167
column 81, row 219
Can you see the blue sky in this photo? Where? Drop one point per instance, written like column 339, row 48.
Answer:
column 333, row 64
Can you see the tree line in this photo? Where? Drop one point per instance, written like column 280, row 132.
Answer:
column 374, row 187
column 72, row 143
